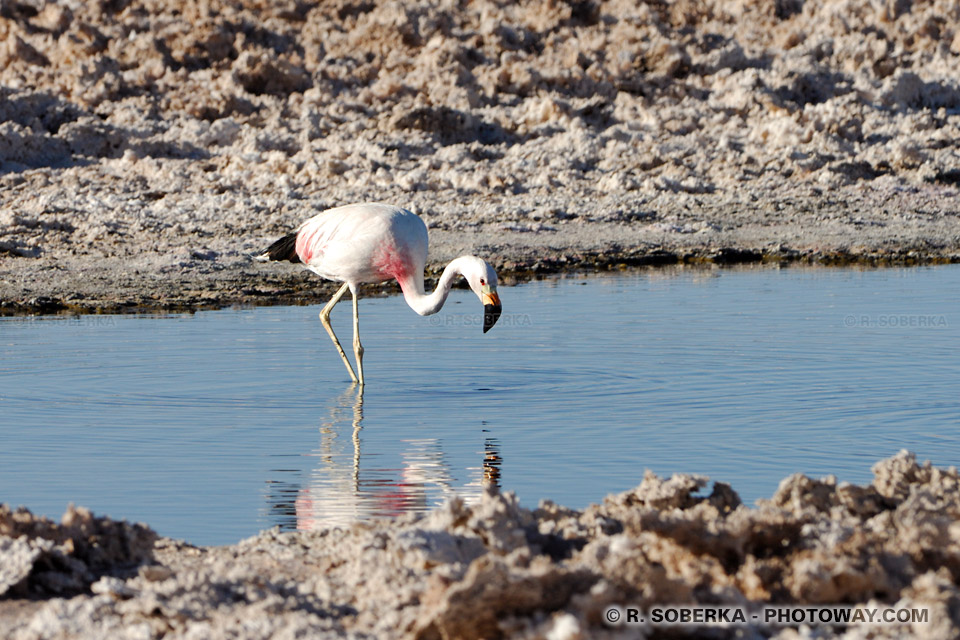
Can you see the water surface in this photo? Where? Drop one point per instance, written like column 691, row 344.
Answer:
column 215, row 425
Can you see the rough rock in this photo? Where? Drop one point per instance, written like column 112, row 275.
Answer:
column 41, row 557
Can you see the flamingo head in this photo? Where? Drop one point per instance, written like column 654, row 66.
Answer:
column 483, row 281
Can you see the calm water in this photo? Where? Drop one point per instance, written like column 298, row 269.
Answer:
column 213, row 426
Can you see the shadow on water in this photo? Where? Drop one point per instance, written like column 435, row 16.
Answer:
column 344, row 486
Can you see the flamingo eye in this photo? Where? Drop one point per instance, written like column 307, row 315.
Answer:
column 482, row 282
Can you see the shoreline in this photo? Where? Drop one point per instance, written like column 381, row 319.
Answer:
column 107, row 288
column 314, row 290
column 291, row 291
column 495, row 569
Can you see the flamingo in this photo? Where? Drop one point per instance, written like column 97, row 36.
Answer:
column 376, row 242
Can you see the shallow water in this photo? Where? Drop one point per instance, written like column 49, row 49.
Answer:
column 215, row 425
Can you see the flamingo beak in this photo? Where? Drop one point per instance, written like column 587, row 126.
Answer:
column 491, row 308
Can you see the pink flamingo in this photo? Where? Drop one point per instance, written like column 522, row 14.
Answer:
column 372, row 243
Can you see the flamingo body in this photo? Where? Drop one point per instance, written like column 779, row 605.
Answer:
column 375, row 242
column 364, row 243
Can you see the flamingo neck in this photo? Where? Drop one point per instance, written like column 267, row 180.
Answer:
column 428, row 304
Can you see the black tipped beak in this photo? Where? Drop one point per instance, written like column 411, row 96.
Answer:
column 491, row 308
column 491, row 313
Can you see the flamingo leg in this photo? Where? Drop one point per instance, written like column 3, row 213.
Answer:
column 357, row 347
column 325, row 319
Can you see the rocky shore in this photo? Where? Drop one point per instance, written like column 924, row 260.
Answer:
column 147, row 148
column 498, row 570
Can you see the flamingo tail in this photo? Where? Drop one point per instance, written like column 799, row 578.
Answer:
column 283, row 249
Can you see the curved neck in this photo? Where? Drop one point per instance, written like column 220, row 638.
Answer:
column 428, row 304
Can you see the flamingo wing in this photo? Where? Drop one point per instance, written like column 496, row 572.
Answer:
column 363, row 243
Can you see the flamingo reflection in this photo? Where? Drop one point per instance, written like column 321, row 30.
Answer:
column 347, row 486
